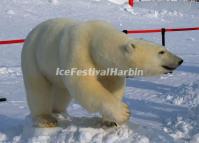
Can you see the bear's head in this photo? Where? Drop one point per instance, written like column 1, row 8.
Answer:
column 152, row 58
column 113, row 49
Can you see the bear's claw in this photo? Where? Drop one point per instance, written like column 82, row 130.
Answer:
column 108, row 124
column 45, row 121
column 118, row 114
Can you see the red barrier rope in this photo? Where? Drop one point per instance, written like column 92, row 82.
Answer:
column 12, row 41
column 182, row 29
column 160, row 30
column 125, row 31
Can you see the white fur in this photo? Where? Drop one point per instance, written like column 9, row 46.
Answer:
column 62, row 43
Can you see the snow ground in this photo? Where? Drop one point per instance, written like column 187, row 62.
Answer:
column 164, row 109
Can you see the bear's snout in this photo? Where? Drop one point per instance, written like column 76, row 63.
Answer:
column 180, row 62
column 174, row 62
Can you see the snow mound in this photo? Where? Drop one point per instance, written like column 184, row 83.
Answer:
column 3, row 137
column 10, row 71
column 85, row 130
column 195, row 139
column 186, row 94
column 55, row 2
column 78, row 130
column 10, row 12
column 180, row 128
column 120, row 2
column 151, row 13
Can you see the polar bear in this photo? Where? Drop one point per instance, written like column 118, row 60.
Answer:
column 65, row 44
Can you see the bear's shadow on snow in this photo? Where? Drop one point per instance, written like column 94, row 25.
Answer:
column 160, row 88
column 11, row 127
column 29, row 131
column 93, row 122
column 154, row 111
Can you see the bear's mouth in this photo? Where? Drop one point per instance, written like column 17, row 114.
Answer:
column 168, row 68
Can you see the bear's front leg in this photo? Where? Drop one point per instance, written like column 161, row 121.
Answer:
column 119, row 113
column 95, row 98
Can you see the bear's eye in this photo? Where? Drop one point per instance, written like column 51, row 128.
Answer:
column 161, row 52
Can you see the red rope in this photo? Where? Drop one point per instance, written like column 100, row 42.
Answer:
column 127, row 31
column 159, row 30
column 12, row 41
column 182, row 29
column 143, row 31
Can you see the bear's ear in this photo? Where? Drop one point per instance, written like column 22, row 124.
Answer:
column 129, row 48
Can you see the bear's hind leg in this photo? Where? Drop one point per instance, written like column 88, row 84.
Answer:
column 40, row 101
column 39, row 95
column 61, row 99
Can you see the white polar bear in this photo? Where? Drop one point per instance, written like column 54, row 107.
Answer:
column 64, row 44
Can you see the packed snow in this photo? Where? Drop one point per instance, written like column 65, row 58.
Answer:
column 164, row 109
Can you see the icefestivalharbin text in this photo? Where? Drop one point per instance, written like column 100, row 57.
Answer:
column 95, row 72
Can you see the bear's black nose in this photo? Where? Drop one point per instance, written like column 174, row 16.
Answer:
column 180, row 62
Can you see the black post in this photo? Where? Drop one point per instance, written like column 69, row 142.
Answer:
column 3, row 99
column 125, row 31
column 163, row 30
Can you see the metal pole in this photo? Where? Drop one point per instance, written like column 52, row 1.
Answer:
column 163, row 30
column 125, row 31
column 3, row 99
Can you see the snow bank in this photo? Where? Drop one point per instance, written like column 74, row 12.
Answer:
column 55, row 2
column 186, row 94
column 152, row 13
column 195, row 139
column 78, row 130
column 10, row 71
column 119, row 1
column 3, row 137
column 86, row 130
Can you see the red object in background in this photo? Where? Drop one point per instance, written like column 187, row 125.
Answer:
column 12, row 41
column 125, row 31
column 131, row 3
column 159, row 30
